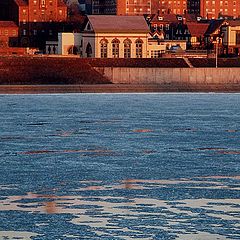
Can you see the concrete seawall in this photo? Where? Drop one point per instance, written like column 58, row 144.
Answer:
column 191, row 76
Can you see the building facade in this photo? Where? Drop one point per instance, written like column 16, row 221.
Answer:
column 38, row 20
column 136, row 7
column 217, row 8
column 115, row 37
column 231, row 37
column 8, row 34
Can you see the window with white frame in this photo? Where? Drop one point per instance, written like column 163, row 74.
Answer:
column 104, row 48
column 127, row 48
column 139, row 48
column 115, row 48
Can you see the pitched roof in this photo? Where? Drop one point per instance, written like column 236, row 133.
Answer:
column 213, row 26
column 189, row 17
column 7, row 24
column 197, row 29
column 120, row 24
column 233, row 23
column 165, row 17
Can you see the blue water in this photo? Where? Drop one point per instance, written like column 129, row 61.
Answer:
column 129, row 166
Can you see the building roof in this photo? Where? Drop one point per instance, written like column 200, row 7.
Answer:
column 189, row 17
column 21, row 2
column 213, row 26
column 7, row 24
column 233, row 23
column 165, row 17
column 197, row 29
column 119, row 24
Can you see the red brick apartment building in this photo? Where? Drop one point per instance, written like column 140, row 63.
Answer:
column 38, row 20
column 137, row 7
column 8, row 34
column 217, row 8
column 206, row 8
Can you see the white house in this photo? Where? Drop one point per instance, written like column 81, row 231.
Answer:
column 107, row 36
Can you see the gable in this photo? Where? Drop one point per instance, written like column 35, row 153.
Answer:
column 88, row 27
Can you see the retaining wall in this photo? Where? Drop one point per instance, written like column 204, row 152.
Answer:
column 193, row 76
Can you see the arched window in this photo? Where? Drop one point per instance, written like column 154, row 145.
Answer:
column 115, row 48
column 127, row 48
column 104, row 46
column 89, row 50
column 139, row 46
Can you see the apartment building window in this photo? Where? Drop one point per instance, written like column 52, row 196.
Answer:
column 115, row 48
column 24, row 21
column 43, row 3
column 139, row 46
column 34, row 32
column 167, row 26
column 127, row 48
column 35, row 2
column 24, row 32
column 14, row 33
column 35, row 11
column 24, row 12
column 60, row 12
column 50, row 3
column 50, row 32
column 6, row 32
column 104, row 46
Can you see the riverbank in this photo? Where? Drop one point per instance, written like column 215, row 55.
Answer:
column 116, row 88
column 74, row 75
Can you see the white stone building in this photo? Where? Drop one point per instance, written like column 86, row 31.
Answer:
column 107, row 36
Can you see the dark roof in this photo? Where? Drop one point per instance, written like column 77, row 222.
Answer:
column 197, row 29
column 7, row 24
column 213, row 26
column 112, row 23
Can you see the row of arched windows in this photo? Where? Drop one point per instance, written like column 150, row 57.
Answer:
column 127, row 43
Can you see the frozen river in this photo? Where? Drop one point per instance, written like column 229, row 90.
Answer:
column 123, row 166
